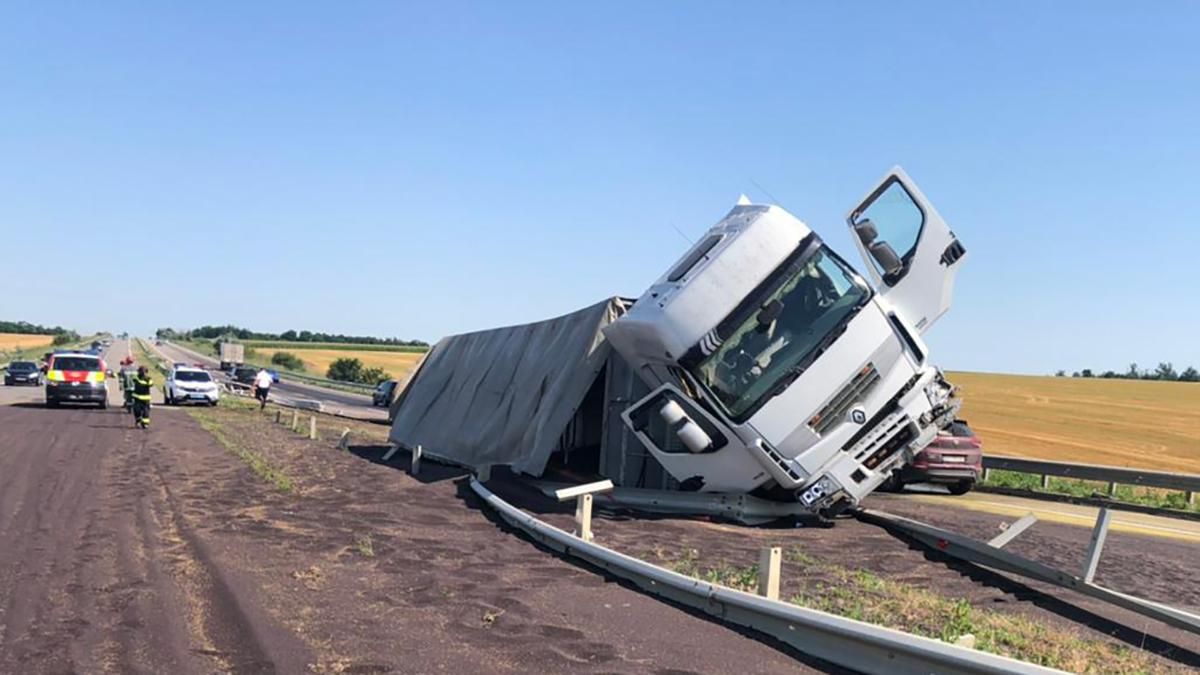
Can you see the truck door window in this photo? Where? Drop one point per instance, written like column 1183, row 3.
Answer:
column 890, row 227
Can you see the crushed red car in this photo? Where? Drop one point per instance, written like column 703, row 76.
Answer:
column 953, row 459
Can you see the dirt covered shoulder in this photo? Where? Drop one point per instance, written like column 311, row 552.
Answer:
column 861, row 571
column 375, row 571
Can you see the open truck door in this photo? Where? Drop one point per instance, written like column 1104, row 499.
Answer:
column 911, row 253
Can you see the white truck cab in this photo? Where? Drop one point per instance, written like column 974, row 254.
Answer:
column 776, row 368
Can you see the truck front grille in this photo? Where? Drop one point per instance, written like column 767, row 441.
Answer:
column 896, row 431
column 854, row 392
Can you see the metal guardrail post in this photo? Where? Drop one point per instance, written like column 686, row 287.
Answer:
column 295, row 420
column 768, row 572
column 414, row 466
column 583, row 496
column 312, row 428
column 1045, row 481
column 1096, row 547
column 583, row 516
column 1022, row 524
column 1190, row 496
column 278, row 415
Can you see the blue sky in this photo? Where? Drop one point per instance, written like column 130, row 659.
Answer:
column 423, row 169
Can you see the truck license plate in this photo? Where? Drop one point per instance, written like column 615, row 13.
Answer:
column 952, row 459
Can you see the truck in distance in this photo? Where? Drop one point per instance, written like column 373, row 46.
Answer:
column 776, row 369
column 231, row 354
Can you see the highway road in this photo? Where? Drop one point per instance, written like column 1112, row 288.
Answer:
column 1068, row 514
column 165, row 551
column 333, row 401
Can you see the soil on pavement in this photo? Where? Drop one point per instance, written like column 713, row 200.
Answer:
column 162, row 551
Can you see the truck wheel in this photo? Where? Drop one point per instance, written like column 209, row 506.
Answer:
column 962, row 487
column 51, row 403
column 104, row 404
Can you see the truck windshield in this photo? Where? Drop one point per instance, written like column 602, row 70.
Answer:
column 769, row 348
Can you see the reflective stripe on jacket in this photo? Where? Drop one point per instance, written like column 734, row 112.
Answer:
column 141, row 388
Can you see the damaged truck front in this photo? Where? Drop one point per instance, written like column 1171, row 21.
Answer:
column 777, row 370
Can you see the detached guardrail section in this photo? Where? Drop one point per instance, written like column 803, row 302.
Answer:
column 1189, row 484
column 845, row 642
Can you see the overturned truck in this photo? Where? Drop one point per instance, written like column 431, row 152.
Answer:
column 760, row 364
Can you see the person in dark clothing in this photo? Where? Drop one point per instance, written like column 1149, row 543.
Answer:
column 141, row 397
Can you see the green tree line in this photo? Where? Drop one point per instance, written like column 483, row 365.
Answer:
column 213, row 332
column 1165, row 372
column 26, row 328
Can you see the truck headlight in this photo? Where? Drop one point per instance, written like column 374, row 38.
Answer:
column 819, row 490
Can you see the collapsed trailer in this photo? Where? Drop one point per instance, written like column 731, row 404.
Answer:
column 761, row 364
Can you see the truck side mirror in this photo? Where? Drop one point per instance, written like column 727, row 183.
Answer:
column 866, row 231
column 885, row 255
column 689, row 433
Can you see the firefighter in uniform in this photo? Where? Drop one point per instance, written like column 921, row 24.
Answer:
column 141, row 397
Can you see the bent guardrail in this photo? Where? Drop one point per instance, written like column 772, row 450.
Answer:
column 845, row 642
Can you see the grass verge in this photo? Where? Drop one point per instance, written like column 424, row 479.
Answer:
column 260, row 466
column 865, row 596
column 1155, row 497
column 145, row 357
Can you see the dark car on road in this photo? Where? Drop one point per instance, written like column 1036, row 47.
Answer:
column 22, row 372
column 76, row 378
column 243, row 374
column 382, row 396
column 953, row 459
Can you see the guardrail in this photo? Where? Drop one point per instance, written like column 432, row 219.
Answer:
column 1189, row 484
column 302, row 378
column 848, row 643
column 326, row 382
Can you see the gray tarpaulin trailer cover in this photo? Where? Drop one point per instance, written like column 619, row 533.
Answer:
column 508, row 396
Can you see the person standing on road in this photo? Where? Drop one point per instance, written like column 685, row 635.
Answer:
column 262, row 387
column 142, row 385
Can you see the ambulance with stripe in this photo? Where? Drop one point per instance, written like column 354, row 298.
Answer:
column 76, row 378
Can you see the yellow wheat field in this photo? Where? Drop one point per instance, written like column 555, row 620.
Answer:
column 13, row 341
column 316, row 361
column 1149, row 425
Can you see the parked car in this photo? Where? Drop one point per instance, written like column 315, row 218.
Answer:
column 190, row 385
column 22, row 372
column 953, row 459
column 76, row 378
column 382, row 396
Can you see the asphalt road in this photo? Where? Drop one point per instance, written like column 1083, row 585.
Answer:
column 332, row 400
column 1067, row 514
column 160, row 551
